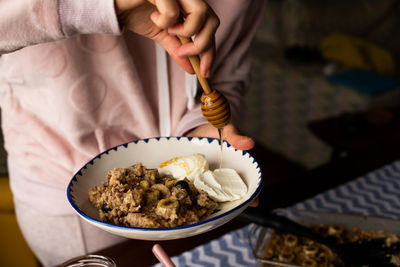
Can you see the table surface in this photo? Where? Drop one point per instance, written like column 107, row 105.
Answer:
column 353, row 131
column 375, row 194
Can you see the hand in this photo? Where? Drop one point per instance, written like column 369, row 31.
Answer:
column 231, row 135
column 159, row 21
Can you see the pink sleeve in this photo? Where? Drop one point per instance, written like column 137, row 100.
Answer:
column 29, row 22
column 231, row 69
column 192, row 119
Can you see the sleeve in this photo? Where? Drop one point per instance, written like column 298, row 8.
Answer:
column 29, row 22
column 231, row 70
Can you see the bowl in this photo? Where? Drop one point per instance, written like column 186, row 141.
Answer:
column 259, row 236
column 151, row 152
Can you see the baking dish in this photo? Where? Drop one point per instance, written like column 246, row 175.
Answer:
column 259, row 236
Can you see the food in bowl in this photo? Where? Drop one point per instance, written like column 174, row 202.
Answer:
column 189, row 166
column 288, row 248
column 223, row 184
column 181, row 191
column 151, row 152
column 139, row 197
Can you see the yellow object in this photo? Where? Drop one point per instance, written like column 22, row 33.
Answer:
column 13, row 248
column 6, row 199
column 353, row 52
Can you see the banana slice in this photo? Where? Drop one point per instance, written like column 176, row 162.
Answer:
column 167, row 208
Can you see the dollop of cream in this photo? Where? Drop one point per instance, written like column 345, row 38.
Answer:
column 185, row 166
column 221, row 185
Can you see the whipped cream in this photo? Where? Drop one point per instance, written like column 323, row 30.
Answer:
column 221, row 185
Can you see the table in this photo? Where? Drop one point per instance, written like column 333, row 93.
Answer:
column 374, row 194
column 279, row 170
column 365, row 165
column 351, row 132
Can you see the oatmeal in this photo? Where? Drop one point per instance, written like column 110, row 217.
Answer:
column 141, row 197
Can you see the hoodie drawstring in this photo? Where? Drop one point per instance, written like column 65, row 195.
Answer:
column 164, row 109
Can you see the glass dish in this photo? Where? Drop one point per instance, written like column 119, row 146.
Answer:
column 90, row 261
column 259, row 236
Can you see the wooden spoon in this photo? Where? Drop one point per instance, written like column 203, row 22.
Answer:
column 214, row 105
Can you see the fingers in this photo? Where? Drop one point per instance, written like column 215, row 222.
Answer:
column 125, row 5
column 242, row 142
column 206, row 60
column 203, row 40
column 171, row 44
column 154, row 18
column 204, row 45
column 195, row 15
column 254, row 203
column 230, row 134
column 167, row 14
column 201, row 22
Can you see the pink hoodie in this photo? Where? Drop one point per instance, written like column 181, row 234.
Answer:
column 72, row 85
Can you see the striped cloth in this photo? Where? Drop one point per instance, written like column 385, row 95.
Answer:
column 375, row 194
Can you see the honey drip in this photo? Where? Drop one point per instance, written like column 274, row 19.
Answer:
column 220, row 131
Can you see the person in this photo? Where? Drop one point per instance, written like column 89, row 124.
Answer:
column 79, row 77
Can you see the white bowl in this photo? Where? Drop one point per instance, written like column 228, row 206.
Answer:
column 151, row 152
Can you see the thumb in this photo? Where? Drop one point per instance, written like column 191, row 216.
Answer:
column 238, row 141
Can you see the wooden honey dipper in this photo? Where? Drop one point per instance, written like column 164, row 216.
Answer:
column 214, row 105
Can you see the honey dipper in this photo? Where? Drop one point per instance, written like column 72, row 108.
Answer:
column 214, row 105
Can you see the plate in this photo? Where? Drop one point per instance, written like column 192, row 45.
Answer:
column 151, row 152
